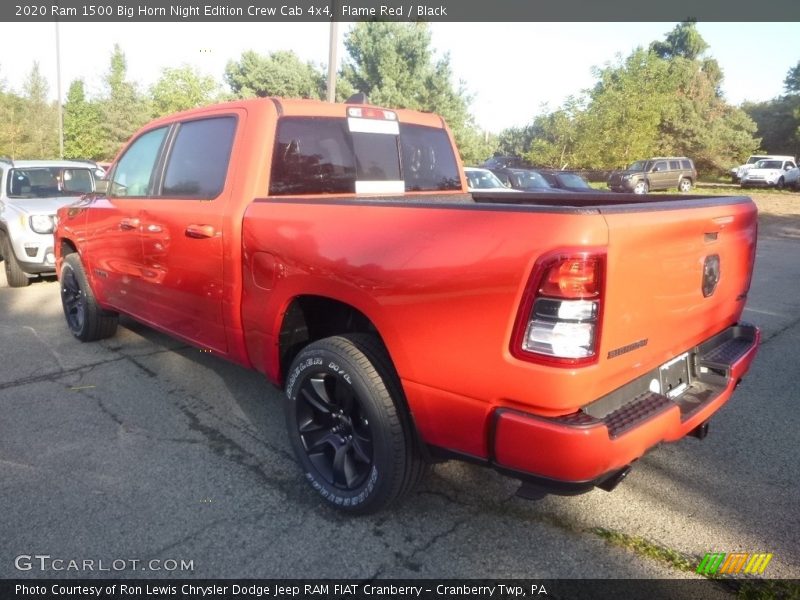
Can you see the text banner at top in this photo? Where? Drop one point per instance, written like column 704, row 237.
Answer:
column 376, row 10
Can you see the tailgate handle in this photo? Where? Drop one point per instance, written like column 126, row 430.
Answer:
column 200, row 231
column 129, row 224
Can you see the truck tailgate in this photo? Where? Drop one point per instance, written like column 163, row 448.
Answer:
column 659, row 262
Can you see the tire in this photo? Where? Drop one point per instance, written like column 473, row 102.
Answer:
column 779, row 185
column 348, row 425
column 15, row 276
column 641, row 187
column 85, row 319
column 685, row 185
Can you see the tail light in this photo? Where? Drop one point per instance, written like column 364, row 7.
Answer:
column 561, row 313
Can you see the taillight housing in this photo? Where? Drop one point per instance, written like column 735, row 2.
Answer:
column 561, row 313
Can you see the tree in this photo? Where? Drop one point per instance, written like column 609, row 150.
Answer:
column 279, row 74
column 124, row 108
column 665, row 100
column 683, row 41
column 83, row 125
column 40, row 134
column 393, row 64
column 792, row 82
column 181, row 88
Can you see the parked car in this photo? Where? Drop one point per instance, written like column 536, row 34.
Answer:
column 524, row 180
column 336, row 249
column 776, row 173
column 660, row 173
column 506, row 162
column 737, row 173
column 568, row 180
column 483, row 180
column 31, row 191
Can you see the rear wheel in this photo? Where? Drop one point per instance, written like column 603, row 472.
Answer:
column 685, row 185
column 641, row 187
column 85, row 319
column 15, row 276
column 348, row 426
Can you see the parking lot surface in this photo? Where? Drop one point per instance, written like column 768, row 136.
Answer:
column 140, row 448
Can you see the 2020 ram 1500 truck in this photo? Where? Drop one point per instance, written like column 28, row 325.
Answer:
column 333, row 247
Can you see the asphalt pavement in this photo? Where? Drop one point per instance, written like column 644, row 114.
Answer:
column 147, row 452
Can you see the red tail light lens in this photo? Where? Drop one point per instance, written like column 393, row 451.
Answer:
column 572, row 278
column 559, row 321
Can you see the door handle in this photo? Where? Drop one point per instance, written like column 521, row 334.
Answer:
column 200, row 231
column 129, row 224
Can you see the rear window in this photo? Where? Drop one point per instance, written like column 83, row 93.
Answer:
column 322, row 156
column 687, row 164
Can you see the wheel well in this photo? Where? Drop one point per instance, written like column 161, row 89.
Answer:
column 311, row 318
column 67, row 247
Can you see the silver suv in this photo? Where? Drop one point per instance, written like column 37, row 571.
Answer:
column 31, row 191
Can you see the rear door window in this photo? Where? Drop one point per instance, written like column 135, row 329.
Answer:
column 674, row 165
column 198, row 160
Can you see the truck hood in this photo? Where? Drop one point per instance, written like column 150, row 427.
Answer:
column 40, row 206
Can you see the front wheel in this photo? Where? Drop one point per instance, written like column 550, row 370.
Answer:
column 85, row 319
column 348, row 426
column 685, row 185
column 15, row 276
column 641, row 187
column 780, row 184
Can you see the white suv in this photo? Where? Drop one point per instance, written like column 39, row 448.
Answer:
column 738, row 173
column 771, row 172
column 31, row 191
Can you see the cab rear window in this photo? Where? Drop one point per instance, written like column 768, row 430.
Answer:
column 322, row 156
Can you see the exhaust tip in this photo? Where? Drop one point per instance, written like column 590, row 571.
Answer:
column 614, row 480
column 700, row 432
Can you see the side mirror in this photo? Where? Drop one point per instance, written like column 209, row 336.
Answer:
column 101, row 186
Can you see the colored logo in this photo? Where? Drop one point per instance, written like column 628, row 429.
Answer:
column 719, row 563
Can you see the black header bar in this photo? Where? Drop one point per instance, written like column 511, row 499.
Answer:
column 398, row 10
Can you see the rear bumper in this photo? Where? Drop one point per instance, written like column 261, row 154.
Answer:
column 572, row 453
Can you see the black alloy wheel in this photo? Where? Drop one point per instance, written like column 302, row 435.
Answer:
column 334, row 431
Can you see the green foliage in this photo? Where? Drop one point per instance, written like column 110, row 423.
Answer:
column 792, row 82
column 683, row 41
column 279, row 74
column 124, row 109
column 83, row 125
column 662, row 101
column 778, row 121
column 181, row 88
column 28, row 121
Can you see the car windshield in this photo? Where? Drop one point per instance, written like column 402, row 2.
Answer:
column 483, row 180
column 49, row 182
column 769, row 164
column 754, row 159
column 639, row 165
column 528, row 180
column 572, row 180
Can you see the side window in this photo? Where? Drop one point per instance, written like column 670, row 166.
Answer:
column 674, row 165
column 660, row 166
column 790, row 165
column 687, row 164
column 198, row 161
column 133, row 174
column 428, row 160
column 312, row 156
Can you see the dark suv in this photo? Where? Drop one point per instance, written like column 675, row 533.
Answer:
column 659, row 173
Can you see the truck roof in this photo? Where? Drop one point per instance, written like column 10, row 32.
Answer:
column 298, row 107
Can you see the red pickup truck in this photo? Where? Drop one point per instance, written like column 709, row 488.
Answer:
column 333, row 247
